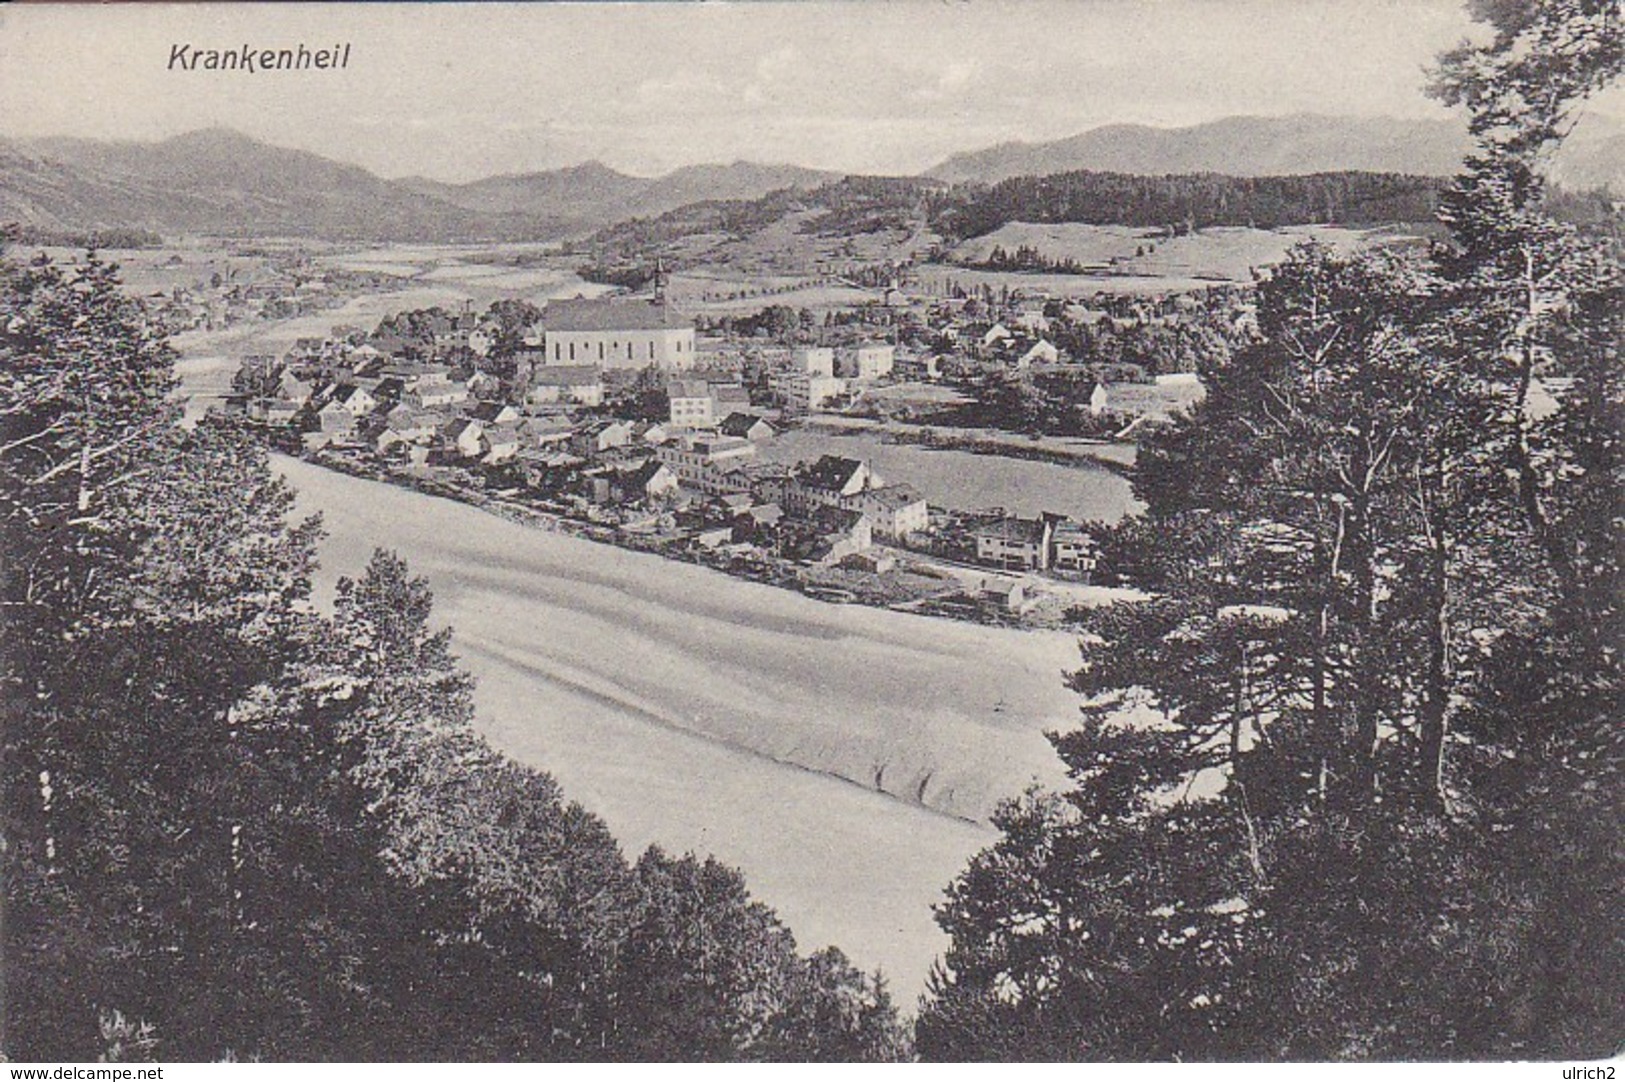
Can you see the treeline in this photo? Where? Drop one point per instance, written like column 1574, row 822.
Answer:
column 1178, row 204
column 34, row 236
column 236, row 827
column 1024, row 258
column 1193, row 201
column 1349, row 777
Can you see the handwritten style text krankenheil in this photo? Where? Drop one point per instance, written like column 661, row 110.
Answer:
column 185, row 57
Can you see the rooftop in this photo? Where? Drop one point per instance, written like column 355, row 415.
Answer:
column 566, row 375
column 688, row 388
column 1014, row 529
column 602, row 315
column 830, row 472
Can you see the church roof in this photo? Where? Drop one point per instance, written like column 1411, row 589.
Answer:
column 602, row 315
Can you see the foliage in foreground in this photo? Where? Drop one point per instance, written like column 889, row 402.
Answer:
column 235, row 827
column 1349, row 785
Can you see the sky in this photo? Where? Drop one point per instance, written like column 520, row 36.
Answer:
column 455, row 91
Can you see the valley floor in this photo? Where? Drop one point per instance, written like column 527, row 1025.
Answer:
column 845, row 758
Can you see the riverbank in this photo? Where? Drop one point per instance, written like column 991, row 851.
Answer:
column 846, row 758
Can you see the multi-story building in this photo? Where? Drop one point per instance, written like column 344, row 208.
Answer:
column 1073, row 549
column 870, row 361
column 896, row 510
column 692, row 405
column 1015, row 543
column 711, row 465
column 813, row 361
column 802, row 393
column 617, row 334
column 826, row 483
column 580, row 384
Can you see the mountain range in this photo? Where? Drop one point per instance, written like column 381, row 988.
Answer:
column 1252, row 146
column 220, row 182
column 593, row 194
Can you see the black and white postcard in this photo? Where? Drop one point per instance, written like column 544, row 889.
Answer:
column 919, row 531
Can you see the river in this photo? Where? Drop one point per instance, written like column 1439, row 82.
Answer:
column 844, row 758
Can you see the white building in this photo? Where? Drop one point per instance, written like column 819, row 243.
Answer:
column 572, row 383
column 871, row 360
column 799, row 391
column 617, row 334
column 813, row 361
column 707, row 464
column 691, row 404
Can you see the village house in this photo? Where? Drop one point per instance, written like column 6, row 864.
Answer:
column 653, row 480
column 826, row 483
column 813, row 361
column 493, row 413
column 870, row 360
column 996, row 336
column 1098, row 399
column 649, row 432
column 1014, row 543
column 747, row 426
column 273, row 411
column 1008, row 595
column 581, row 385
column 617, row 334
column 465, row 434
column 1073, row 549
column 1040, row 352
column 895, row 510
column 355, row 399
column 334, row 420
column 485, row 385
column 431, row 387
column 501, row 443
column 691, row 404
column 827, row 536
column 598, row 437
column 404, row 425
column 803, row 393
column 294, row 390
column 767, row 482
column 546, row 432
column 709, row 465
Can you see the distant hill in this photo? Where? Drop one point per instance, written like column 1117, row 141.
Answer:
column 1250, row 146
column 593, row 195
column 220, row 182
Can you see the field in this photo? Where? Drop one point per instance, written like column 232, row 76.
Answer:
column 961, row 479
column 721, row 292
column 845, row 758
column 1220, row 252
column 933, row 279
column 1125, row 259
column 428, row 276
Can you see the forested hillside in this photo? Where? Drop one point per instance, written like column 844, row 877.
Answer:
column 1190, row 201
column 857, row 205
column 235, row 827
column 1348, row 784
